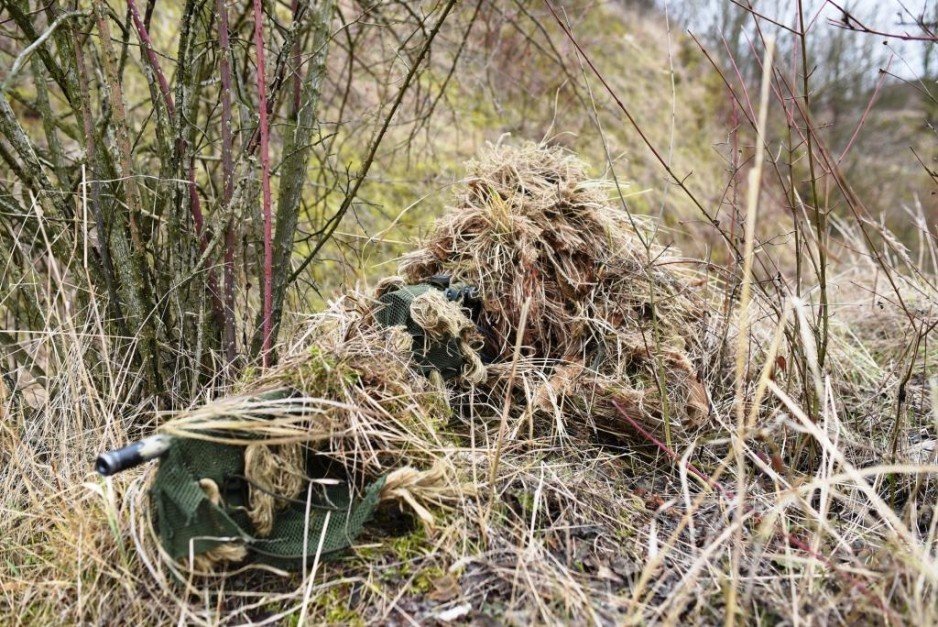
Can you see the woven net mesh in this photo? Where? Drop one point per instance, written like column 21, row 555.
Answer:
column 189, row 523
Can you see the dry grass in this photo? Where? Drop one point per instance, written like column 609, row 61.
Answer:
column 615, row 496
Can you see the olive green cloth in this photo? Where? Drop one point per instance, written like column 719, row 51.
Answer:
column 188, row 523
column 444, row 356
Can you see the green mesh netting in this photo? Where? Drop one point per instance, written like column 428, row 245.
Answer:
column 186, row 520
column 444, row 356
column 188, row 523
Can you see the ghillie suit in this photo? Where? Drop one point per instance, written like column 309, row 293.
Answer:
column 612, row 321
column 292, row 466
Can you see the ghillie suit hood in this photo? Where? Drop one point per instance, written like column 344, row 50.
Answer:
column 611, row 314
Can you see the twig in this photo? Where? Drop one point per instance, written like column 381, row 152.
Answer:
column 866, row 112
column 820, row 220
column 297, row 149
column 55, row 69
column 679, row 181
column 227, row 167
column 131, row 262
column 506, row 409
column 334, row 221
column 851, row 23
column 93, row 158
column 21, row 58
column 151, row 57
column 664, row 448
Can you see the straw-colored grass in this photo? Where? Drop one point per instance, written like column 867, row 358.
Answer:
column 614, row 495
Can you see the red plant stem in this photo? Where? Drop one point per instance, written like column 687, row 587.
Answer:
column 853, row 581
column 739, row 77
column 195, row 206
column 664, row 448
column 297, row 70
column 879, row 86
column 151, row 57
column 267, row 282
column 227, row 166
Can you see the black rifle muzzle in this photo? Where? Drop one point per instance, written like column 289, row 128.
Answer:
column 113, row 462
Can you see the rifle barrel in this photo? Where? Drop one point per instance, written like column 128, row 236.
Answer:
column 112, row 462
